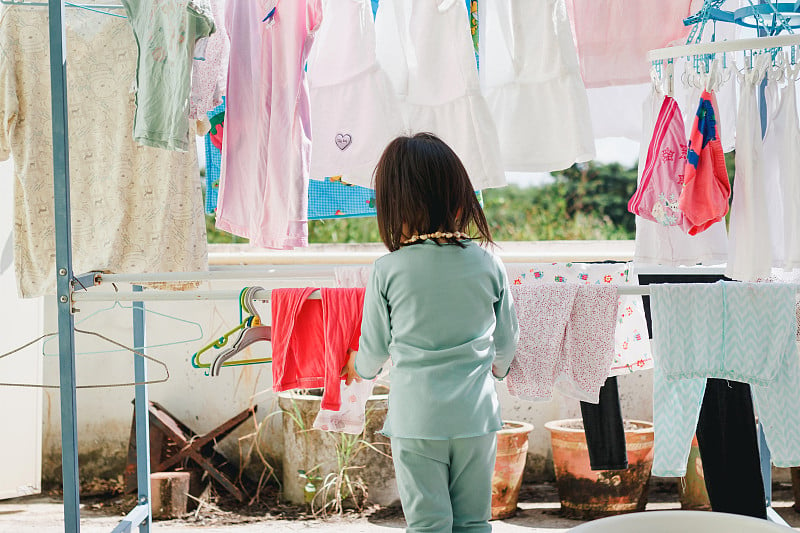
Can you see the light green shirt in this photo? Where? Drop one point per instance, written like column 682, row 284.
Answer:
column 444, row 314
column 166, row 32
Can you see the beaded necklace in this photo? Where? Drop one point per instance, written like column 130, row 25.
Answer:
column 436, row 235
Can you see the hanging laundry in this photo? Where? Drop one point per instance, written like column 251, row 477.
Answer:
column 728, row 443
column 532, row 84
column 331, row 198
column 351, row 417
column 706, row 188
column 210, row 69
column 614, row 36
column 782, row 168
column 352, row 276
column 213, row 144
column 354, row 111
column 426, row 48
column 263, row 192
column 750, row 255
column 566, row 340
column 656, row 196
column 723, row 85
column 739, row 331
column 166, row 33
column 311, row 339
column 614, row 111
column 631, row 340
column 605, row 430
column 671, row 245
column 134, row 209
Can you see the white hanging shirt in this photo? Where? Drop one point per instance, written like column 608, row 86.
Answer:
column 134, row 208
column 354, row 111
column 425, row 47
column 532, row 82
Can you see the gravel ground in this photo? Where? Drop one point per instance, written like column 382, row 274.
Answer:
column 45, row 515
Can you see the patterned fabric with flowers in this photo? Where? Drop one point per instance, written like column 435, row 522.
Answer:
column 631, row 344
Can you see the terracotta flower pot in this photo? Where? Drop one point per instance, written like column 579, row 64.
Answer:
column 585, row 493
column 512, row 450
column 692, row 492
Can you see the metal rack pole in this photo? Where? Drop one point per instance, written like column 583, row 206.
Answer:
column 66, row 333
column 142, row 415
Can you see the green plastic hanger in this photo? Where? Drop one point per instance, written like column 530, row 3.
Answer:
column 252, row 321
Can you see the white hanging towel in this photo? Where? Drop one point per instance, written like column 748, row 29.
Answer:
column 657, row 244
column 354, row 111
column 782, row 168
column 750, row 255
column 426, row 48
column 532, row 82
column 774, row 162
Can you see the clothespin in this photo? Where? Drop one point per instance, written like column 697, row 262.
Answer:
column 670, row 77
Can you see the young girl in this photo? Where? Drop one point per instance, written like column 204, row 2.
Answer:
column 439, row 306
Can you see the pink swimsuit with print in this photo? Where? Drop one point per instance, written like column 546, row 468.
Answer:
column 656, row 197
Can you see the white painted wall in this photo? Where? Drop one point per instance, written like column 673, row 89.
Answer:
column 20, row 408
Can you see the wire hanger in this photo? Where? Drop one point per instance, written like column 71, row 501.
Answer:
column 94, row 386
column 117, row 305
column 249, row 330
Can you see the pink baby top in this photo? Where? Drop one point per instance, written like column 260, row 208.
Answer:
column 263, row 192
column 613, row 36
column 311, row 339
column 656, row 197
column 706, row 189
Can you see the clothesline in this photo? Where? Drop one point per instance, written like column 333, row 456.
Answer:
column 261, row 295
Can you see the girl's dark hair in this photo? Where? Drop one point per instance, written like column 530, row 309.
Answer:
column 422, row 184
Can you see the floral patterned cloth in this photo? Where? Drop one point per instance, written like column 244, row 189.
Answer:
column 351, row 416
column 210, row 72
column 134, row 208
column 631, row 343
column 566, row 340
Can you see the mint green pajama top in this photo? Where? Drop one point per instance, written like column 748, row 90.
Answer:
column 444, row 315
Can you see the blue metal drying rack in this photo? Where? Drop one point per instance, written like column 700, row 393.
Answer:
column 141, row 515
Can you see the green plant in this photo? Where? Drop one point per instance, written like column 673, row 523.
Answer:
column 332, row 492
column 246, row 456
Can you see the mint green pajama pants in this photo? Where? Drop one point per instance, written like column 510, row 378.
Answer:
column 445, row 485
